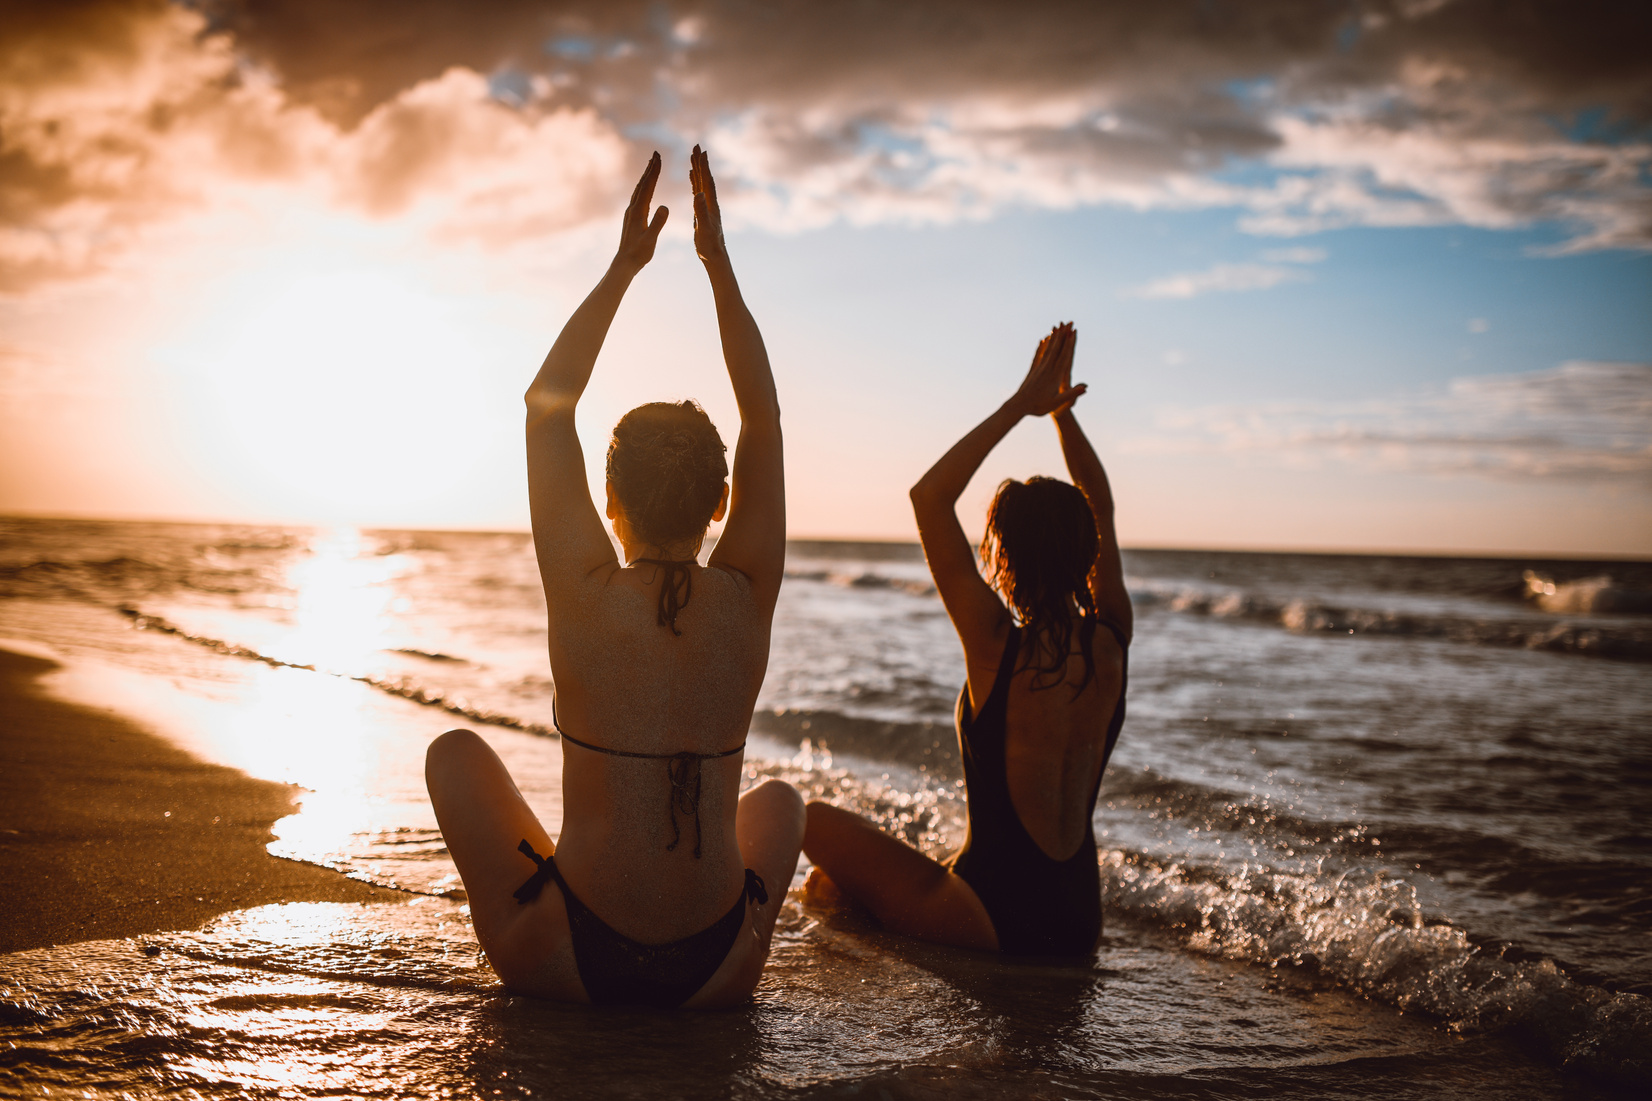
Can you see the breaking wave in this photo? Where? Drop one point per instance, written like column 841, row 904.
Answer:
column 1368, row 932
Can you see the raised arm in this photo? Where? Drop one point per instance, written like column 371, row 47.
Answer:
column 567, row 532
column 979, row 616
column 1107, row 575
column 754, row 538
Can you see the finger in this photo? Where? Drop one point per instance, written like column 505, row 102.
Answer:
column 650, row 172
column 658, row 223
column 710, row 182
column 645, row 186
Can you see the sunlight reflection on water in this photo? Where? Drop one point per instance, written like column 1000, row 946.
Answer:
column 340, row 597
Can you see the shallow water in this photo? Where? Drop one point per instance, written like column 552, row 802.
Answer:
column 1375, row 826
column 312, row 999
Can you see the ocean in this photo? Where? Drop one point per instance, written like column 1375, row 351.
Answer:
column 1377, row 826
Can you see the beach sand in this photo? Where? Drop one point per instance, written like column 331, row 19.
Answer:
column 108, row 831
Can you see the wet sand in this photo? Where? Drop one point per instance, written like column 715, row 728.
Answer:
column 108, row 831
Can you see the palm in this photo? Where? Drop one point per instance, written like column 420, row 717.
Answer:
column 708, row 216
column 1048, row 386
column 637, row 234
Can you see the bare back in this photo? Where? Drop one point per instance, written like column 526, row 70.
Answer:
column 1056, row 742
column 626, row 683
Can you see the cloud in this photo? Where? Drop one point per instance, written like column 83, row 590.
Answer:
column 154, row 116
column 1219, row 277
column 1295, row 255
column 1582, row 421
column 515, row 119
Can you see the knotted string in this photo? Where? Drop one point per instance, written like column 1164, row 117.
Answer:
column 682, row 770
column 674, row 591
column 536, row 882
column 684, row 773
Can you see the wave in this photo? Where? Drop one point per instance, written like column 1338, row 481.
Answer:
column 925, row 746
column 96, row 580
column 865, row 580
column 1593, row 597
column 1586, row 596
column 429, row 655
column 1624, row 642
column 1367, row 932
column 1616, row 891
column 404, row 687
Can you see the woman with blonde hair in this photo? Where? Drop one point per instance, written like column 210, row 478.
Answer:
column 663, row 884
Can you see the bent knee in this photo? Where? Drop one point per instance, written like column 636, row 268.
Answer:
column 775, row 809
column 780, row 799
column 447, row 749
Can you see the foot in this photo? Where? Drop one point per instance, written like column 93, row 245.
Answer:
column 820, row 893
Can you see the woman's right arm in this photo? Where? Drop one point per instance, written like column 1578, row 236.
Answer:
column 568, row 535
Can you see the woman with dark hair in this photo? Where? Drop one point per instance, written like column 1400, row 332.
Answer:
column 1041, row 709
column 663, row 885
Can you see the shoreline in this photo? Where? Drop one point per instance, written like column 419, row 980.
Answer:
column 110, row 831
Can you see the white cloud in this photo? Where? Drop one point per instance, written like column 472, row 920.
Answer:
column 1219, row 277
column 1295, row 255
column 168, row 122
column 1581, row 420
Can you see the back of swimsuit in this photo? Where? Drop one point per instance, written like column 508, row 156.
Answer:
column 1038, row 905
column 617, row 970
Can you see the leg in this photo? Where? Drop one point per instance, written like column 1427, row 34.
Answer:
column 483, row 817
column 906, row 890
column 768, row 823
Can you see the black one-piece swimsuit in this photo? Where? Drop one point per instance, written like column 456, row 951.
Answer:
column 1039, row 906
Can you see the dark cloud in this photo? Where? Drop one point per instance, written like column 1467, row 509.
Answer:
column 1495, row 113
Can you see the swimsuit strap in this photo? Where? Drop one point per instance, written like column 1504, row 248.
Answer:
column 674, row 593
column 683, row 770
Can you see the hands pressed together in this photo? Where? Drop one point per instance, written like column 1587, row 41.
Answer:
column 1048, row 388
column 638, row 234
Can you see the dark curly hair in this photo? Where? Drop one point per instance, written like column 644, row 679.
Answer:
column 666, row 463
column 1038, row 552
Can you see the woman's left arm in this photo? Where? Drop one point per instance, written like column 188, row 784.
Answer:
column 1107, row 574
column 753, row 542
column 569, row 538
column 975, row 610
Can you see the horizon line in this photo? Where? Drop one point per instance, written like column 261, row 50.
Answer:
column 887, row 540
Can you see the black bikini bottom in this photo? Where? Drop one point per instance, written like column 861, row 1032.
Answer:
column 617, row 970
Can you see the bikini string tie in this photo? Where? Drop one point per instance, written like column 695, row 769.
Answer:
column 674, row 591
column 683, row 770
column 541, row 876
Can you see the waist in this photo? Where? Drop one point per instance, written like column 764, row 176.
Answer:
column 643, row 891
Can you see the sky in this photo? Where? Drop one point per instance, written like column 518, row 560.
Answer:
column 1347, row 275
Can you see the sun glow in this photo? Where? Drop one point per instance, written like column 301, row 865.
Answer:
column 337, row 395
